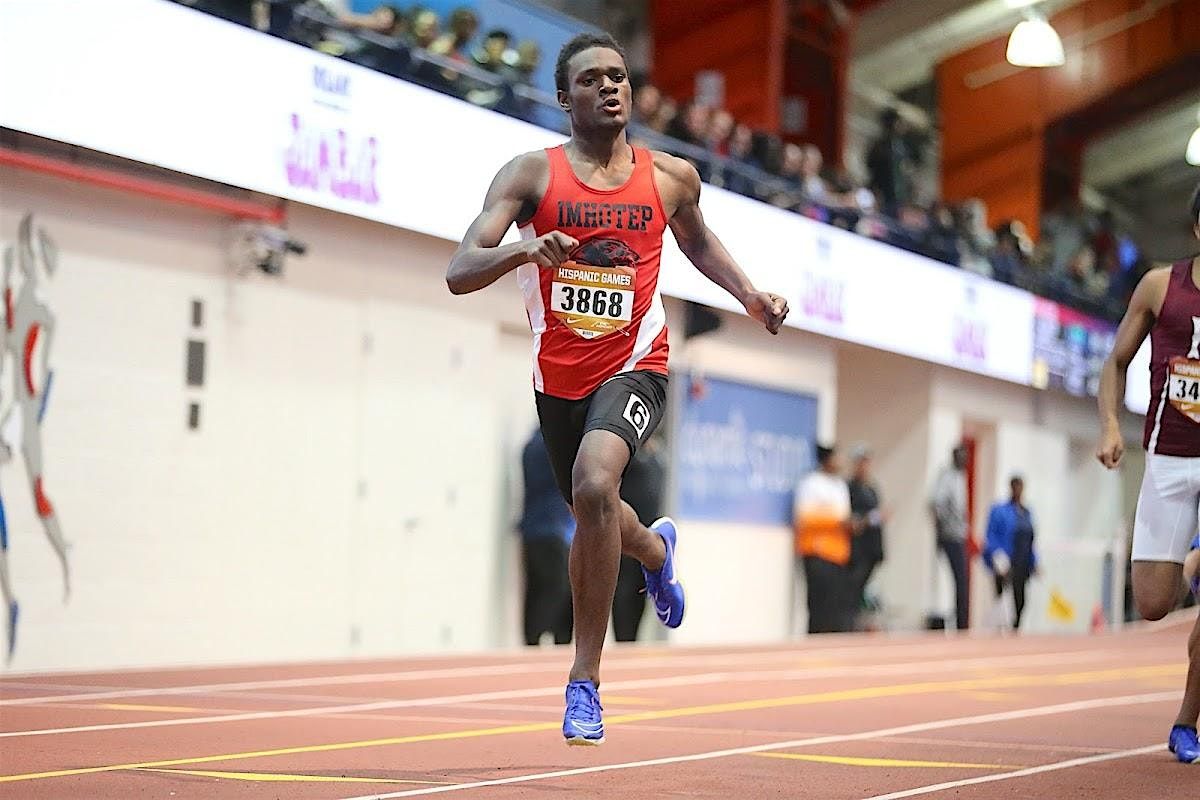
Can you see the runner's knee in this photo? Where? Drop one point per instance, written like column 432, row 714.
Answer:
column 1154, row 603
column 595, row 494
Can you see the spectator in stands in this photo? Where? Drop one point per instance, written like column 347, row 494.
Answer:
column 1081, row 280
column 664, row 118
column 741, row 150
column 646, row 102
column 823, row 529
column 1010, row 259
column 1065, row 231
column 462, row 28
column 384, row 19
column 791, row 169
column 425, row 27
column 891, row 163
column 720, row 128
column 941, row 238
column 812, row 185
column 691, row 127
column 529, row 57
column 491, row 56
column 976, row 241
column 911, row 229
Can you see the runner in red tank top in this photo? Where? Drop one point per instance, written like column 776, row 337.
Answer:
column 592, row 215
column 1165, row 306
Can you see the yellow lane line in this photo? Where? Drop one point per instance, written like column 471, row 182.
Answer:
column 275, row 777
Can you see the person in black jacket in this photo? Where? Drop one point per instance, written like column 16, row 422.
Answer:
column 546, row 528
column 866, row 548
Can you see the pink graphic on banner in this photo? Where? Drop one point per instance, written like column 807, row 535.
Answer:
column 822, row 298
column 332, row 162
column 970, row 339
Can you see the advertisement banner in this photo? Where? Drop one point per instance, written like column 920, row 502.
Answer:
column 740, row 450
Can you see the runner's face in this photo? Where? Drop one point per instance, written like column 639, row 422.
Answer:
column 599, row 89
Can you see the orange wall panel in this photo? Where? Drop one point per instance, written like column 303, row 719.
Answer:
column 726, row 36
column 993, row 134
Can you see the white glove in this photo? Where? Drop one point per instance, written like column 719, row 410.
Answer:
column 1000, row 563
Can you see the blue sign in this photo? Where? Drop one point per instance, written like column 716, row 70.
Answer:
column 740, row 450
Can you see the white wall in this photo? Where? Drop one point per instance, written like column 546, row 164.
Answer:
column 884, row 402
column 349, row 448
column 739, row 577
column 1079, row 507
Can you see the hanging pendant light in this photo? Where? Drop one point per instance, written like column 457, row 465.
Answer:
column 1193, row 148
column 1035, row 43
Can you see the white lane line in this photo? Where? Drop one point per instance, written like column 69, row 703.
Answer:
column 687, row 680
column 956, row 722
column 982, row 662
column 1022, row 773
column 617, row 661
column 702, row 679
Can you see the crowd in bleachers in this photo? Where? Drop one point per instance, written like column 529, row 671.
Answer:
column 1081, row 259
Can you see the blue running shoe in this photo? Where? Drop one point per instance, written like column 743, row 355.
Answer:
column 663, row 587
column 1184, row 745
column 582, row 725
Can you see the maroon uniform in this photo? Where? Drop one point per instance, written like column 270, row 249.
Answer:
column 1173, row 419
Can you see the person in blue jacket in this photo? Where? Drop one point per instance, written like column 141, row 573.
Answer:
column 1008, row 551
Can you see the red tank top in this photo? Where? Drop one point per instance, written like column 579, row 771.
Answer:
column 1173, row 419
column 600, row 313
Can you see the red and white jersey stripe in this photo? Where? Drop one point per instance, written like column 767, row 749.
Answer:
column 621, row 227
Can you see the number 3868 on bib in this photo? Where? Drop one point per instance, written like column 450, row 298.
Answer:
column 592, row 301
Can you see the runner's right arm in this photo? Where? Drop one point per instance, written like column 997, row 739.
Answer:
column 481, row 260
column 1135, row 327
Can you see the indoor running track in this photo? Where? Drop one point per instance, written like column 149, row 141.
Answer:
column 829, row 718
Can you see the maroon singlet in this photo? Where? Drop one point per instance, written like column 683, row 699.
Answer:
column 1173, row 420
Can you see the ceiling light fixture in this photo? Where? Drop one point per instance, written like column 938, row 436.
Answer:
column 1193, row 148
column 1035, row 43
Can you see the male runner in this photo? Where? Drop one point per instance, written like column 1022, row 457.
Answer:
column 592, row 213
column 1165, row 306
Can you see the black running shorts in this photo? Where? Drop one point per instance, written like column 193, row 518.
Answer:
column 630, row 404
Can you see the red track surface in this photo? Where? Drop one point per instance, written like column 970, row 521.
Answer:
column 842, row 717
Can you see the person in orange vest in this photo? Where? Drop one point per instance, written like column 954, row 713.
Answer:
column 823, row 526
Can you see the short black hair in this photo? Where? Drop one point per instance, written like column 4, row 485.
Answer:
column 1196, row 205
column 498, row 33
column 824, row 452
column 579, row 43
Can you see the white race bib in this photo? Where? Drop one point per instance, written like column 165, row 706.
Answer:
column 592, row 301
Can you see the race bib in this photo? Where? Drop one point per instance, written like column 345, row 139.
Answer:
column 1183, row 390
column 592, row 301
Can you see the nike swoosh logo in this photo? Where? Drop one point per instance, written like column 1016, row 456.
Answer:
column 573, row 320
column 672, row 582
column 588, row 727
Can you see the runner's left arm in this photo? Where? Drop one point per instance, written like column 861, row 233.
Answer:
column 705, row 251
